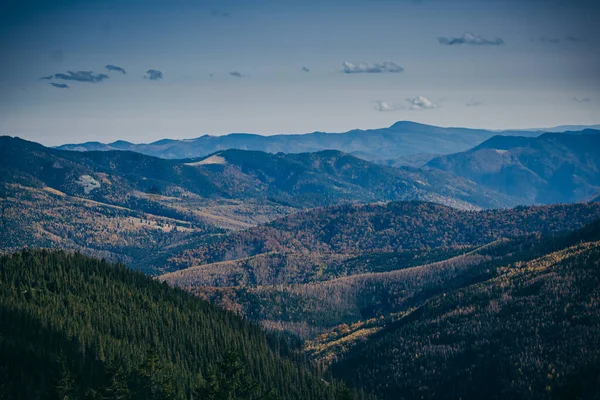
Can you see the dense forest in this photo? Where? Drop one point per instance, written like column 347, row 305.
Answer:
column 527, row 329
column 353, row 230
column 73, row 327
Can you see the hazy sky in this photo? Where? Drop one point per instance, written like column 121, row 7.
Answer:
column 185, row 68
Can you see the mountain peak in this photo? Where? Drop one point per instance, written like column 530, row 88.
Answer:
column 408, row 124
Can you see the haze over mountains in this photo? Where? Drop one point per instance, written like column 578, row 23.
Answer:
column 404, row 138
column 551, row 168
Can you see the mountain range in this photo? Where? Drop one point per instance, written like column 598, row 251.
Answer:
column 449, row 275
column 402, row 139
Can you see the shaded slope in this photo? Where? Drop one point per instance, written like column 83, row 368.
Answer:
column 49, row 304
column 529, row 332
column 554, row 167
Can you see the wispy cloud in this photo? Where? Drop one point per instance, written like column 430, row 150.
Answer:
column 582, row 99
column 81, row 76
column 364, row 68
column 414, row 103
column 574, row 39
column 153, row 74
column 305, row 69
column 47, row 77
column 237, row 74
column 471, row 39
column 421, row 103
column 60, row 85
column 385, row 106
column 115, row 68
column 475, row 103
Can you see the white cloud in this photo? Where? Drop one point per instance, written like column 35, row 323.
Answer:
column 421, row 103
column 415, row 103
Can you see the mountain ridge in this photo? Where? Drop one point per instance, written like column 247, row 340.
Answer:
column 550, row 168
column 403, row 138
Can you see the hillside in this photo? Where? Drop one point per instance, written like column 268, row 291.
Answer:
column 149, row 341
column 332, row 177
column 527, row 330
column 431, row 320
column 352, row 230
column 404, row 138
column 552, row 168
column 303, row 180
column 134, row 208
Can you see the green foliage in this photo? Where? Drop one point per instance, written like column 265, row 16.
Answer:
column 119, row 334
column 229, row 379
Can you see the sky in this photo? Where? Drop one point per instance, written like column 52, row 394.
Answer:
column 83, row 70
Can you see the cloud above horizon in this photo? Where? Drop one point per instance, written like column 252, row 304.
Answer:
column 153, row 74
column 305, row 69
column 385, row 106
column 60, row 85
column 421, row 103
column 364, row 68
column 414, row 103
column 115, row 68
column 81, row 76
column 470, row 39
column 237, row 74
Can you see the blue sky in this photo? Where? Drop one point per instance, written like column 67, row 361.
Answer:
column 241, row 66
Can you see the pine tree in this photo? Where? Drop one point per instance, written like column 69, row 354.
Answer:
column 65, row 386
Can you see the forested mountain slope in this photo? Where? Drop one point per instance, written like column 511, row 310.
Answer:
column 356, row 289
column 298, row 180
column 136, row 209
column 76, row 327
column 529, row 328
column 551, row 168
column 332, row 177
column 351, row 230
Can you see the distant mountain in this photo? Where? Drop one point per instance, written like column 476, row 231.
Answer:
column 402, row 139
column 551, row 168
column 296, row 180
column 331, row 177
column 563, row 128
